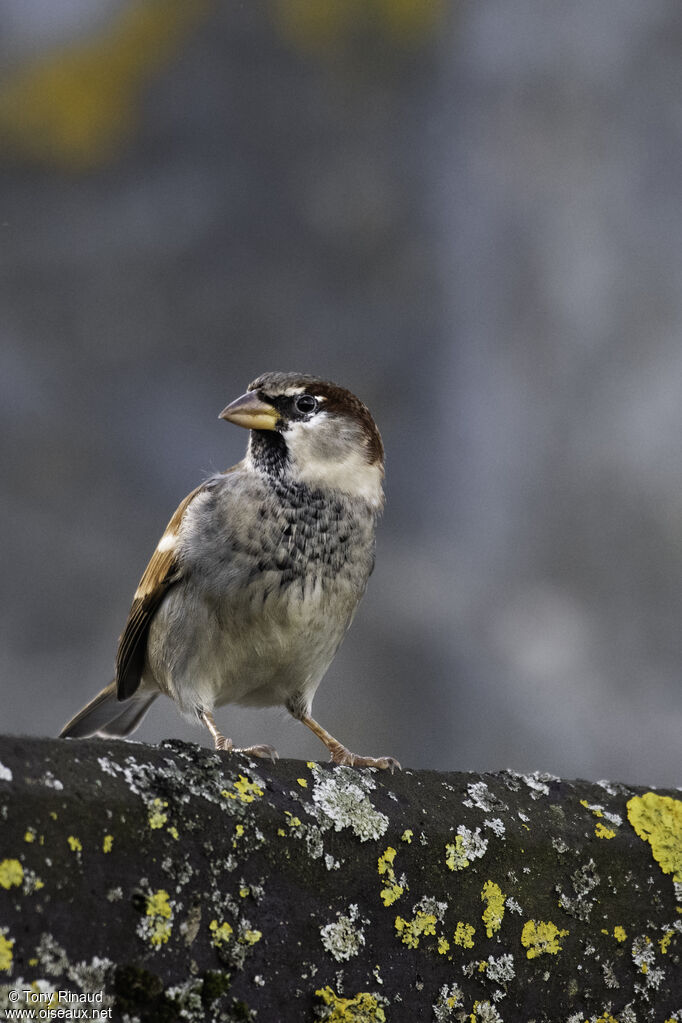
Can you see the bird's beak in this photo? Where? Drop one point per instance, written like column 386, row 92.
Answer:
column 249, row 411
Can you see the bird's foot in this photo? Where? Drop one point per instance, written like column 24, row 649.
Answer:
column 341, row 755
column 266, row 752
column 221, row 743
column 227, row 746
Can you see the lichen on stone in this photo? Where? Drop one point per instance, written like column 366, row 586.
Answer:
column 502, row 969
column 345, row 937
column 467, row 846
column 540, row 937
column 658, row 821
column 484, row 1012
column 6, row 950
column 392, row 889
column 156, row 925
column 411, row 931
column 450, row 998
column 363, row 1007
column 341, row 799
column 464, row 935
column 493, row 913
column 583, row 881
column 11, row 873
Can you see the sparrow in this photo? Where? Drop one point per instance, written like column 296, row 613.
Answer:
column 259, row 572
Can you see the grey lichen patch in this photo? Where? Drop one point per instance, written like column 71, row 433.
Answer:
column 52, row 958
column 50, row 782
column 537, row 782
column 85, row 977
column 450, row 1001
column 583, row 881
column 468, row 845
column 342, row 801
column 5, row 773
column 345, row 937
column 485, row 1012
column 479, row 795
column 496, row 825
column 500, row 970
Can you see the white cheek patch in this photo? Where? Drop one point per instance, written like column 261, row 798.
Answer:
column 352, row 476
column 329, row 456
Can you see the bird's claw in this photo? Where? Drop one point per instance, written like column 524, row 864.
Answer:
column 345, row 757
column 264, row 751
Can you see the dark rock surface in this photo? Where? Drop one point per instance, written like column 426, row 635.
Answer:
column 175, row 883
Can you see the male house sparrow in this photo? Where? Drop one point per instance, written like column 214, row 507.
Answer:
column 260, row 570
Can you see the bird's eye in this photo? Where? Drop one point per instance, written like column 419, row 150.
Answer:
column 305, row 404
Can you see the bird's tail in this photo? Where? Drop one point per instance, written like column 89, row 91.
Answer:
column 105, row 715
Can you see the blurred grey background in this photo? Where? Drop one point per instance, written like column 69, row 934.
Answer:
column 468, row 213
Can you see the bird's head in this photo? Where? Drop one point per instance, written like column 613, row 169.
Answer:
column 312, row 431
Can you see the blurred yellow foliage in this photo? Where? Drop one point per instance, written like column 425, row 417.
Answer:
column 319, row 27
column 73, row 108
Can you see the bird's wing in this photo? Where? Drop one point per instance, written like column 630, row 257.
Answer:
column 162, row 571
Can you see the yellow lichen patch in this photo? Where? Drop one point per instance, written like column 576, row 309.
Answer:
column 6, row 952
column 410, row 931
column 281, row 832
column 310, row 764
column 666, row 939
column 658, row 821
column 596, row 810
column 619, row 933
column 464, row 935
column 443, row 945
column 601, row 831
column 361, row 1008
column 30, row 835
column 11, row 873
column 407, row 835
column 157, row 818
column 606, row 1017
column 222, row 933
column 75, row 844
column 492, row 895
column 173, row 832
column 159, row 909
column 455, row 857
column 250, row 937
column 245, row 790
column 303, row 782
column 244, row 891
column 541, row 937
column 107, row 843
column 385, row 862
column 158, row 904
column 392, row 891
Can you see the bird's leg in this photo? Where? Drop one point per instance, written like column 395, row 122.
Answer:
column 221, row 743
column 340, row 755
